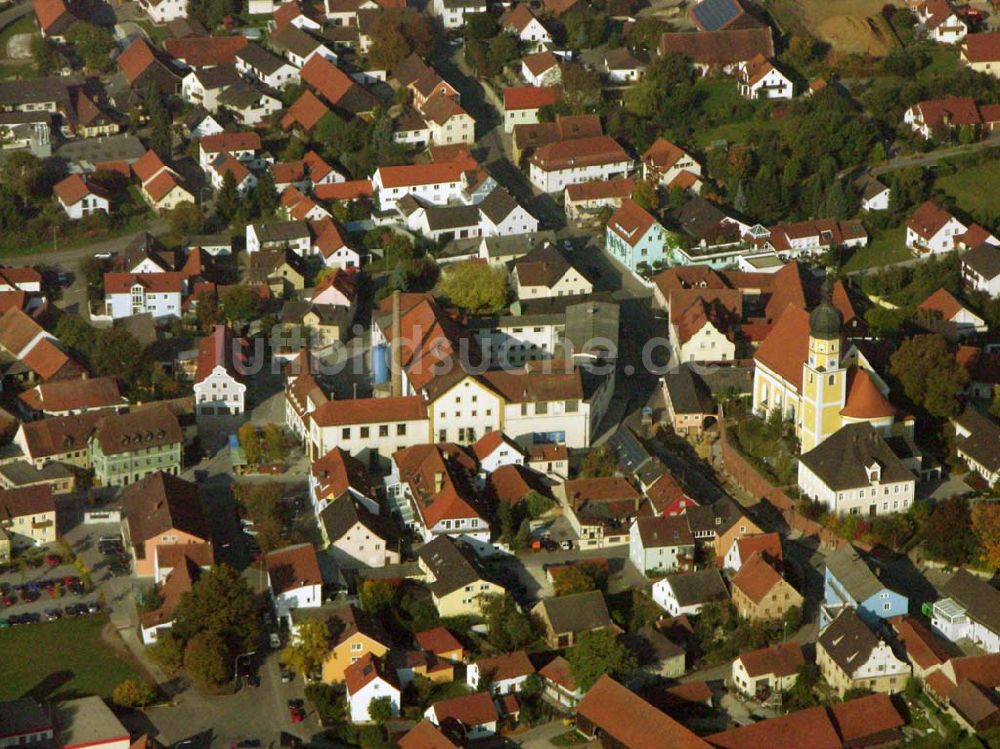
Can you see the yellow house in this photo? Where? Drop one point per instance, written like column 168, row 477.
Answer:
column 353, row 634
column 760, row 593
column 4, row 547
column 28, row 515
column 454, row 577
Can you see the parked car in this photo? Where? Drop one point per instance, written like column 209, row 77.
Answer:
column 4, row 623
column 93, row 607
column 53, row 560
column 296, row 711
column 286, row 673
column 275, row 640
column 8, row 601
column 52, row 614
column 31, row 618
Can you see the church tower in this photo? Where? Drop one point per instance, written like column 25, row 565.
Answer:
column 824, row 378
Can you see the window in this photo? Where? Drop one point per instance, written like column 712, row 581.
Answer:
column 383, row 430
column 364, row 432
column 400, row 430
column 541, row 408
column 345, row 433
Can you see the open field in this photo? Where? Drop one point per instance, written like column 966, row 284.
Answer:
column 888, row 247
column 62, row 659
column 966, row 186
column 848, row 26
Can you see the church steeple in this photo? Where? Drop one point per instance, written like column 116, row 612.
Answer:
column 824, row 379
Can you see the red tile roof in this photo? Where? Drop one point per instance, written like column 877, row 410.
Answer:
column 293, row 567
column 865, row 718
column 951, row 111
column 928, row 219
column 73, row 395
column 306, row 112
column 530, row 97
column 539, row 62
column 756, row 577
column 632, row 722
column 71, row 190
column 469, row 710
column 767, row 544
column 942, row 301
column 810, row 728
column 984, row 47
column 370, row 411
column 438, row 641
column 864, row 399
column 121, row 283
column 327, row 78
column 148, row 166
column 580, row 152
column 631, row 222
column 923, row 647
column 439, row 172
column 135, row 59
column 46, row 360
column 204, row 51
column 781, row 660
column 239, row 141
column 503, row 667
column 48, row 12
column 787, row 346
column 609, row 189
column 161, row 185
column 725, row 47
column 365, row 670
column 663, row 154
column 426, row 735
column 350, row 190
column 219, row 349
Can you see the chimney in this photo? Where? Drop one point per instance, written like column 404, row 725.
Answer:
column 395, row 353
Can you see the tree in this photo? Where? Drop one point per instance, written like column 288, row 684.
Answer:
column 596, row 653
column 502, row 50
column 580, row 578
column 167, row 652
column 986, row 524
column 275, row 444
column 263, row 504
column 206, row 659
column 76, row 334
column 95, row 44
column 310, row 647
column 117, row 353
column 187, row 219
column 44, row 56
column 227, row 199
column 929, row 373
column 509, row 628
column 161, row 136
column 474, row 286
column 948, row 534
column 396, row 36
column 208, row 311
column 802, row 695
column 380, row 710
column 645, row 194
column 21, row 173
column 600, row 462
column 377, row 596
column 581, row 88
column 134, row 693
column 211, row 12
column 221, row 604
column 250, row 442
column 240, row 304
column 266, row 194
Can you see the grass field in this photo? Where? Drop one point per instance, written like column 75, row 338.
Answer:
column 967, row 187
column 62, row 659
column 942, row 61
column 888, row 247
column 23, row 25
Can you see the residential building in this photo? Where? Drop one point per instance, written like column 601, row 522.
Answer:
column 72, row 397
column 162, row 515
column 452, row 13
column 688, row 405
column 164, row 11
column 541, row 69
column 981, row 52
column 968, row 610
column 294, row 579
column 372, row 429
column 79, row 198
column 601, row 510
column 668, row 165
column 257, row 64
column 721, row 50
column 760, row 673
column 500, row 674
column 546, row 272
column 426, row 735
column 977, row 442
column 521, row 104
column 357, row 536
column 851, row 656
column 178, row 581
column 355, row 635
column 719, row 524
column 280, row 235
column 768, row 545
column 585, row 202
column 930, row 117
column 558, row 683
column 555, row 166
column 941, row 22
column 437, row 183
column 959, row 320
column 661, row 544
column 127, row 447
column 981, row 268
column 368, row 680
column 856, row 472
column 636, row 239
column 686, row 593
column 849, row 583
column 219, row 388
column 565, row 618
column 475, row 714
column 28, row 516
column 874, row 195
column 454, row 577
column 523, row 24
column 759, row 78
column 761, row 592
column 24, row 721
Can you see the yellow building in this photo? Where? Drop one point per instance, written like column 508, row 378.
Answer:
column 353, row 634
column 28, row 515
column 454, row 577
column 804, row 373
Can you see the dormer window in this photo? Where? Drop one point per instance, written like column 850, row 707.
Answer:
column 874, row 472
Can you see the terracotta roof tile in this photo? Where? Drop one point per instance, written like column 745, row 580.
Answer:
column 928, row 219
column 292, row 567
column 204, row 51
column 756, row 577
column 864, row 399
column 529, row 97
column 781, row 660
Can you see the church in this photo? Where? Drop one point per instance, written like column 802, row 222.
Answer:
column 806, row 371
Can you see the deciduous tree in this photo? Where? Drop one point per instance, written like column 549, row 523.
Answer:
column 206, row 659
column 930, row 376
column 134, row 693
column 310, row 646
column 474, row 286
column 509, row 628
column 596, row 653
column 221, row 604
column 948, row 534
column 986, row 524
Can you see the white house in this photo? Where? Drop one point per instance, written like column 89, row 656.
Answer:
column 969, row 610
column 159, row 294
column 280, row 235
column 502, row 216
column 495, row 449
column 944, row 304
column 854, row 471
column 500, row 674
column 475, row 712
column 79, row 198
column 545, row 272
column 202, row 86
column 941, row 22
column 660, row 544
column 555, row 166
column 246, row 181
column 242, row 145
column 452, row 13
column 541, row 69
column 874, row 195
column 932, row 229
column 218, row 384
column 371, row 429
column 521, row 104
column 257, row 64
column 981, row 268
column 760, row 673
column 521, row 22
column 687, row 593
column 767, row 545
column 249, row 103
column 758, row 78
column 294, row 579
column 368, row 680
column 437, row 183
column 164, row 11
column 202, row 124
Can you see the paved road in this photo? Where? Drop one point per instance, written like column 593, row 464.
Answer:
column 932, row 157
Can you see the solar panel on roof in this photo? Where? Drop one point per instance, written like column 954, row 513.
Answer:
column 713, row 15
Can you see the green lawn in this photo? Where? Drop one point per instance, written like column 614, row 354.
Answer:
column 721, row 95
column 23, row 25
column 156, row 33
column 61, row 659
column 885, row 248
column 942, row 61
column 967, row 187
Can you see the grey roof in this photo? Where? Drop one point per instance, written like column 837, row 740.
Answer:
column 712, row 15
column 984, row 259
column 693, row 588
column 37, row 91
column 345, row 512
column 518, row 244
column 841, row 460
column 87, row 720
column 687, row 393
column 260, row 59
column 869, row 186
column 222, row 239
column 217, row 76
column 734, row 380
column 980, row 599
column 281, row 231
column 20, row 473
column 717, row 517
column 22, row 716
column 243, row 95
column 452, row 566
column 442, row 218
column 983, row 443
column 293, row 39
column 121, row 147
column 702, row 219
column 578, row 612
column 264, row 263
column 853, row 573
column 848, row 641
column 591, row 325
column 498, row 205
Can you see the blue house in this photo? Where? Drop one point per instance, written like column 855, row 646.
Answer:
column 635, row 238
column 849, row 581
